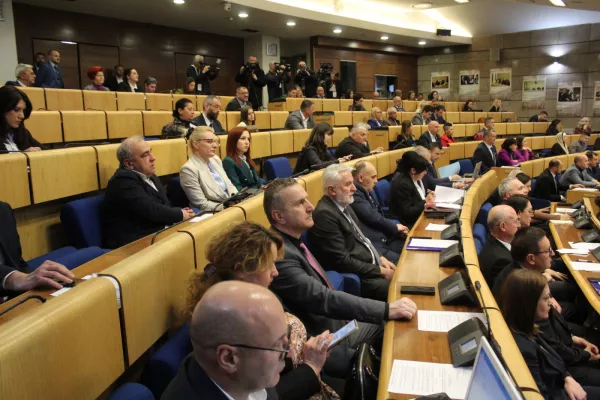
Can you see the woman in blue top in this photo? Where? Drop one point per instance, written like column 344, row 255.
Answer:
column 238, row 164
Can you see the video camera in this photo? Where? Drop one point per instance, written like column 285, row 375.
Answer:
column 252, row 67
column 287, row 67
column 325, row 71
column 211, row 67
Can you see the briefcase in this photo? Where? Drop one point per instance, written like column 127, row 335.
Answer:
column 363, row 381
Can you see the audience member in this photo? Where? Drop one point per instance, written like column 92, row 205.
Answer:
column 522, row 207
column 486, row 151
column 434, row 95
column 420, row 97
column 116, row 78
column 299, row 94
column 408, row 195
column 320, row 92
column 357, row 103
column 182, row 125
column 392, row 115
column 302, row 118
column 468, row 106
column 356, row 143
column 398, row 104
column 252, row 77
column 203, row 178
column 584, row 126
column 405, row 138
column 412, row 95
column 488, row 125
column 305, row 289
column 333, row 87
column 560, row 147
column 238, row 164
column 496, row 105
column 49, row 74
column 135, row 202
column 306, row 79
column 397, row 93
column 239, row 101
column 203, row 74
column 541, row 117
column 523, row 149
column 39, row 59
column 314, row 154
column 211, row 106
column 431, row 135
column 130, row 81
column 189, row 87
column 96, row 75
column 385, row 234
column 448, row 137
column 25, row 76
column 580, row 145
column 291, row 92
column 16, row 108
column 593, row 169
column 554, row 128
column 509, row 154
column 339, row 243
column 275, row 80
column 438, row 115
column 577, row 174
column 547, row 186
column 431, row 179
column 423, row 117
column 240, row 340
column 376, row 95
column 376, row 120
column 150, row 85
column 349, row 95
column 247, row 117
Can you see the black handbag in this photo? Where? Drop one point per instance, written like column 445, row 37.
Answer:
column 363, row 381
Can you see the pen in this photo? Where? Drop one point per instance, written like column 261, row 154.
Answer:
column 585, row 261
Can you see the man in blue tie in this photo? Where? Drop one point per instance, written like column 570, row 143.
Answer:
column 49, row 74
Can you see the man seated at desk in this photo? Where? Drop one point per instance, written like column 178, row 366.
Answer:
column 302, row 118
column 580, row 145
column 547, row 185
column 135, row 203
column 431, row 179
column 356, row 143
column 514, row 185
column 577, row 173
column 211, row 106
column 593, row 169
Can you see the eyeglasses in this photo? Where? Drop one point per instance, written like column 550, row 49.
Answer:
column 210, row 141
column 284, row 352
column 549, row 251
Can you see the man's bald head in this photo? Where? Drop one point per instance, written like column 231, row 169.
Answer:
column 503, row 222
column 433, row 127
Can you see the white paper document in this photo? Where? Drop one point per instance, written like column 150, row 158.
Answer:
column 436, row 227
column 579, row 252
column 61, row 291
column 448, row 205
column 443, row 321
column 561, row 221
column 585, row 189
column 201, row 217
column 421, row 378
column 584, row 245
column 430, row 244
column 585, row 266
column 565, row 210
column 445, row 194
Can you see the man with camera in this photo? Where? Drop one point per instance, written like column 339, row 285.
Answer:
column 275, row 80
column 253, row 77
column 203, row 73
column 306, row 79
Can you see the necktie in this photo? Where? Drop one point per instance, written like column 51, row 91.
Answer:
column 218, row 178
column 554, row 179
column 315, row 264
column 494, row 154
column 365, row 241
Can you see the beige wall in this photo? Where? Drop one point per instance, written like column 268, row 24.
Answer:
column 527, row 53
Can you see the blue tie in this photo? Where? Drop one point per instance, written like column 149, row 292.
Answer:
column 218, row 178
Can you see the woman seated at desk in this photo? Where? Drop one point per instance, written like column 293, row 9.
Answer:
column 357, row 103
column 468, row 106
column 523, row 148
column 405, row 138
column 182, row 120
column 314, row 154
column 559, row 148
column 508, row 154
column 376, row 120
column 16, row 108
column 408, row 194
column 238, row 164
column 96, row 75
column 247, row 118
column 189, row 87
column 202, row 177
column 525, row 301
column 496, row 105
column 555, row 127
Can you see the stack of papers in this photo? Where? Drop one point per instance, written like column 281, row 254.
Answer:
column 579, row 252
column 448, row 205
column 422, row 379
column 585, row 266
column 436, row 227
column 561, row 221
column 445, row 194
column 585, row 189
column 565, row 210
column 429, row 244
column 443, row 321
column 583, row 245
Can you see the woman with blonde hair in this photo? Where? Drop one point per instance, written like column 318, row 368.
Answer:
column 496, row 105
column 583, row 126
column 376, row 120
column 247, row 252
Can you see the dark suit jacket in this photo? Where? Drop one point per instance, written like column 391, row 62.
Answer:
column 112, row 84
column 308, row 82
column 47, row 77
column 372, row 223
column 513, row 266
column 23, row 140
column 337, row 245
column 494, row 257
column 244, row 78
column 274, row 83
column 483, row 154
column 431, row 179
column 295, row 121
column 425, row 139
column 192, row 383
column 202, row 79
column 216, row 124
column 557, row 150
column 309, row 158
column 556, row 332
column 13, row 83
column 234, row 105
column 240, row 175
column 124, row 87
column 307, row 296
column 10, row 244
column 405, row 200
column 132, row 209
column 349, row 146
column 545, row 187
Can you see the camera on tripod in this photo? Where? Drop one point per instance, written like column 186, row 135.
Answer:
column 325, row 71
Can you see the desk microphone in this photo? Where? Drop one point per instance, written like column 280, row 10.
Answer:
column 489, row 335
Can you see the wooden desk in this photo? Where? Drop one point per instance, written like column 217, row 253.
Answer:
column 278, row 106
column 502, row 173
column 576, row 195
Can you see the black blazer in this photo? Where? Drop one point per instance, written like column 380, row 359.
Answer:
column 132, row 209
column 192, row 383
column 483, row 154
column 234, row 105
column 337, row 245
column 405, row 200
column 556, row 332
column 124, row 87
column 216, row 124
column 372, row 223
column 557, row 150
column 494, row 257
column 431, row 179
column 425, row 139
column 23, row 140
column 349, row 146
column 310, row 82
column 112, row 84
column 310, row 158
column 502, row 276
column 545, row 187
column 202, row 79
column 10, row 244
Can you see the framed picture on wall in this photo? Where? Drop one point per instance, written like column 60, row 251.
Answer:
column 272, row 49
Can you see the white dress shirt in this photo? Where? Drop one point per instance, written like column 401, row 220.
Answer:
column 147, row 180
column 420, row 189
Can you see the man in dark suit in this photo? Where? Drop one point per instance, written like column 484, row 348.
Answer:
column 39, row 59
column 115, row 78
column 303, row 286
column 385, row 234
column 431, row 135
column 302, row 118
column 13, row 277
column 252, row 77
column 232, row 318
column 593, row 169
column 202, row 74
column 135, row 202
column 25, row 76
column 49, row 74
column 356, row 143
column 275, row 80
column 438, row 115
column 541, row 117
column 240, row 100
column 210, row 112
column 486, row 152
column 338, row 241
column 431, row 179
column 306, row 79
column 547, row 186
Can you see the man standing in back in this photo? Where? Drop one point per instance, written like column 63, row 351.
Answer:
column 49, row 75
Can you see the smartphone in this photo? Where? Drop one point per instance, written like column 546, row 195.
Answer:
column 595, row 284
column 343, row 333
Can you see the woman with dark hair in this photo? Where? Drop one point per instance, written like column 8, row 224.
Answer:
column 238, row 164
column 522, row 207
column 412, row 96
column 189, row 87
column 555, row 127
column 247, row 252
column 96, row 75
column 349, row 94
column 526, row 304
column 357, row 101
column 508, row 154
column 434, row 95
column 468, row 106
column 525, row 180
column 405, row 138
column 130, row 81
column 182, row 120
column 247, row 117
column 408, row 194
column 16, row 108
column 314, row 154
column 523, row 149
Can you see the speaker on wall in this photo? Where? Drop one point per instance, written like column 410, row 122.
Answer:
column 444, row 32
column 494, row 54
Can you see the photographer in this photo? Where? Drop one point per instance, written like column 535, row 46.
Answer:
column 274, row 79
column 203, row 73
column 306, row 79
column 253, row 77
column 333, row 86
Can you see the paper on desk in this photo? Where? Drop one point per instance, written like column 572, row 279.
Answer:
column 201, row 217
column 429, row 244
column 561, row 221
column 448, row 205
column 579, row 252
column 449, row 170
column 436, row 227
column 584, row 266
column 61, row 291
column 565, row 210
column 584, row 245
column 445, row 194
column 443, row 321
column 421, row 378
column 585, row 189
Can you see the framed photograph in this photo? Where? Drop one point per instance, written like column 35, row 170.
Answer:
column 272, row 49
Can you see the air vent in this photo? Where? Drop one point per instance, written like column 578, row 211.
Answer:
column 249, row 30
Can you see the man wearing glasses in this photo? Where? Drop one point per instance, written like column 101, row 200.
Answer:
column 210, row 112
column 239, row 101
column 240, row 339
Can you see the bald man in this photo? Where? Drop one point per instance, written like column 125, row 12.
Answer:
column 577, row 173
column 431, row 136
column 240, row 340
column 503, row 224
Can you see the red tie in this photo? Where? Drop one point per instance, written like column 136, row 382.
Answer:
column 315, row 264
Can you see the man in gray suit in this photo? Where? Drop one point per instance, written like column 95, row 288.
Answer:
column 424, row 117
column 302, row 118
column 577, row 174
column 305, row 290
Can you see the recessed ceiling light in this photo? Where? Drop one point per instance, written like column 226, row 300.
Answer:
column 178, row 1
column 422, row 43
column 291, row 23
column 558, row 3
column 337, row 30
column 422, row 6
column 385, row 37
column 67, row 42
column 243, row 14
column 462, row 1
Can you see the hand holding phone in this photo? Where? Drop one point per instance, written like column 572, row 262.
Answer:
column 343, row 333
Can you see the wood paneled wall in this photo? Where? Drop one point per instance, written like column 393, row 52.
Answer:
column 152, row 49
